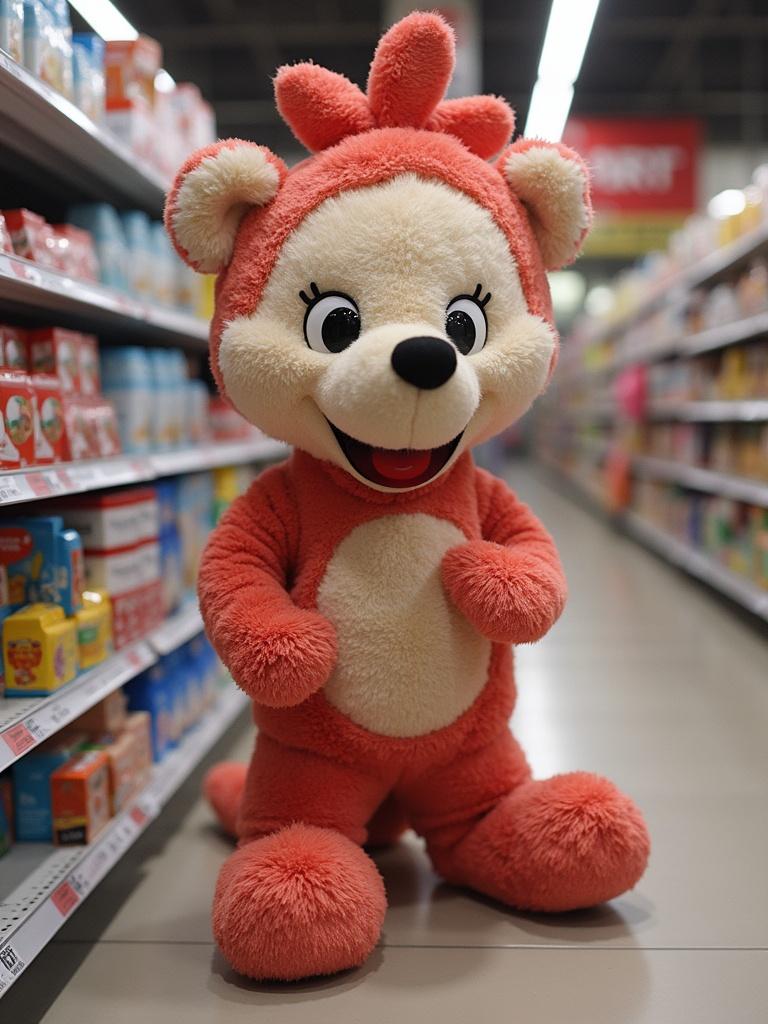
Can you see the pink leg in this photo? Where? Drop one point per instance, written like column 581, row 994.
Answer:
column 223, row 788
column 560, row 844
column 300, row 897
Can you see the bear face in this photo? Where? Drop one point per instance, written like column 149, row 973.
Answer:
column 384, row 304
column 410, row 265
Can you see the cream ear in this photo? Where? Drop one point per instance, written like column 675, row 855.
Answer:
column 211, row 194
column 552, row 182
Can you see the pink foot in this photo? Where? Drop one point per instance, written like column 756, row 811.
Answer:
column 568, row 842
column 299, row 902
column 223, row 788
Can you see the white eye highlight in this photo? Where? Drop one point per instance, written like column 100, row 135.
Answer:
column 331, row 323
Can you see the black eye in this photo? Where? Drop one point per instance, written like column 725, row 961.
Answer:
column 332, row 323
column 465, row 324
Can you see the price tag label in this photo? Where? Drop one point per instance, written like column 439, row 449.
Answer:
column 14, row 488
column 10, row 961
column 37, row 729
column 19, row 739
column 139, row 815
column 57, row 482
column 65, row 898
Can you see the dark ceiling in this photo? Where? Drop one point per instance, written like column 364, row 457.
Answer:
column 708, row 58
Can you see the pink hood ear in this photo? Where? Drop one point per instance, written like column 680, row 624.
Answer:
column 320, row 107
column 552, row 182
column 210, row 195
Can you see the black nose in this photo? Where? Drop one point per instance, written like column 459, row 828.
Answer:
column 424, row 362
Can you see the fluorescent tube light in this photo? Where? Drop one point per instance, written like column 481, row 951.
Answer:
column 565, row 42
column 105, row 19
column 548, row 110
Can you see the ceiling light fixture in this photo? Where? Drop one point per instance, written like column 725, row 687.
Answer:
column 568, row 31
column 105, row 19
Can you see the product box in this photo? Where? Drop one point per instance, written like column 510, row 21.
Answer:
column 107, row 717
column 32, row 786
column 139, row 725
column 116, row 519
column 30, row 235
column 94, row 628
column 39, row 650
column 127, row 383
column 80, row 798
column 50, row 434
column 150, row 693
column 130, row 67
column 17, row 421
column 88, row 365
column 121, row 756
column 55, row 350
column 6, row 813
column 43, row 560
column 172, row 569
column 77, row 252
column 13, row 348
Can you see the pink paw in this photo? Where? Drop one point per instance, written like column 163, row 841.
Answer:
column 282, row 661
column 508, row 597
column 297, row 903
column 564, row 843
column 223, row 787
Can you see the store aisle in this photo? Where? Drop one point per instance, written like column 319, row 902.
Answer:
column 647, row 679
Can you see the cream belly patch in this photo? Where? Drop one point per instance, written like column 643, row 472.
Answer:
column 408, row 662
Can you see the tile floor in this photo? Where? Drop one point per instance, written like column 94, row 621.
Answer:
column 647, row 679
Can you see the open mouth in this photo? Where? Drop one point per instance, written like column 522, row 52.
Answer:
column 390, row 467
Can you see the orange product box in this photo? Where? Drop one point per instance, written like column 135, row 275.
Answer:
column 50, row 430
column 55, row 350
column 108, row 716
column 121, row 754
column 80, row 798
column 17, row 421
column 139, row 725
column 13, row 348
column 130, row 67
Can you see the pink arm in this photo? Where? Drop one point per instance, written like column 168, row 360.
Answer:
column 278, row 653
column 510, row 585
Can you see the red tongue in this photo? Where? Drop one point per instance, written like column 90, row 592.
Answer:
column 400, row 465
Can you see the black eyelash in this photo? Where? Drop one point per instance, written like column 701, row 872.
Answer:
column 476, row 296
column 315, row 293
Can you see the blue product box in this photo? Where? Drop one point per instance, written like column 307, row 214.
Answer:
column 167, row 491
column 172, row 569
column 42, row 561
column 32, row 787
column 150, row 692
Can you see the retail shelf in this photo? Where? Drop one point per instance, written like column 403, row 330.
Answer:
column 30, row 289
column 27, row 721
column 51, row 134
column 177, row 629
column 748, row 411
column 698, row 479
column 713, row 265
column 24, row 485
column 210, row 456
column 698, row 564
column 56, row 881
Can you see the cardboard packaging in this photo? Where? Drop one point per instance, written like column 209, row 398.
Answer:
column 80, row 798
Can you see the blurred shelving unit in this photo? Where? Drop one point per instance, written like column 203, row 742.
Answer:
column 53, row 146
column 622, row 452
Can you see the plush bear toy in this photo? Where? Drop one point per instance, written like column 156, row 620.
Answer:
column 383, row 307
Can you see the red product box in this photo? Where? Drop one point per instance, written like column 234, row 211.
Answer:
column 6, row 245
column 51, row 443
column 13, row 348
column 101, row 424
column 17, row 413
column 130, row 67
column 77, row 252
column 136, row 612
column 55, row 350
column 88, row 365
column 30, row 235
column 81, row 441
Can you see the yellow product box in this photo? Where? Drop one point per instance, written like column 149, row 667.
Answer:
column 39, row 650
column 94, row 628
